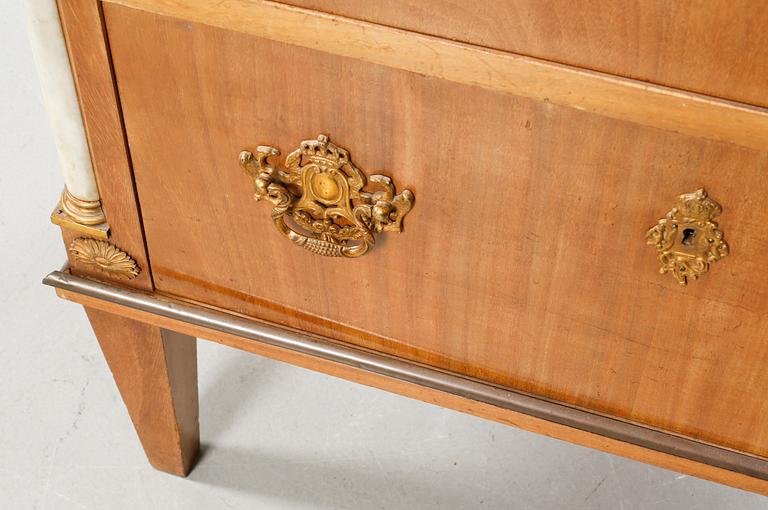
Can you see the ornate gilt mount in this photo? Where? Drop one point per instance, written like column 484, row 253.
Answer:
column 688, row 239
column 321, row 191
column 86, row 217
column 85, row 212
column 105, row 258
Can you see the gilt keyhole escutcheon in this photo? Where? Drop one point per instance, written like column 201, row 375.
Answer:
column 688, row 240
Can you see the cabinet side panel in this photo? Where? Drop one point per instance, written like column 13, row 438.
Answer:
column 100, row 108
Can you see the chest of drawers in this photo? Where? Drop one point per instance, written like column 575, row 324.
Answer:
column 546, row 214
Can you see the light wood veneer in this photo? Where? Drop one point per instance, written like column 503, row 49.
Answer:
column 714, row 47
column 523, row 262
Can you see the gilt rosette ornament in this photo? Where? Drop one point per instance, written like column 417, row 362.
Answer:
column 319, row 201
column 104, row 257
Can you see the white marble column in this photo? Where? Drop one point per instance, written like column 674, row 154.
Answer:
column 60, row 99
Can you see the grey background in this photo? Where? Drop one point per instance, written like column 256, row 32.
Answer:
column 275, row 436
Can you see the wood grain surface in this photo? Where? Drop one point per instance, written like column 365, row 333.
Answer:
column 714, row 47
column 156, row 372
column 582, row 89
column 432, row 396
column 86, row 42
column 523, row 262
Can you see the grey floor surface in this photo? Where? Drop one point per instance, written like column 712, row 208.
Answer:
column 275, row 436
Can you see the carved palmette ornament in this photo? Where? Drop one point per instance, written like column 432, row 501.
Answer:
column 687, row 239
column 104, row 257
column 321, row 192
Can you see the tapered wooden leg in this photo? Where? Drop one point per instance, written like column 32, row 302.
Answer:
column 156, row 372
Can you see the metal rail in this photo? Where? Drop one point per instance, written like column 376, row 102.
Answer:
column 403, row 370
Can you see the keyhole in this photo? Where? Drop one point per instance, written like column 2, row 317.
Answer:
column 688, row 235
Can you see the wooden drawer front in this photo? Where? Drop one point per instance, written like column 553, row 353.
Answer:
column 715, row 47
column 524, row 260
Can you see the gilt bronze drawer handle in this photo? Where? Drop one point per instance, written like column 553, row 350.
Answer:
column 687, row 239
column 322, row 192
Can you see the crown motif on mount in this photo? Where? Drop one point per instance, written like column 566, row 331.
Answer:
column 696, row 205
column 323, row 152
